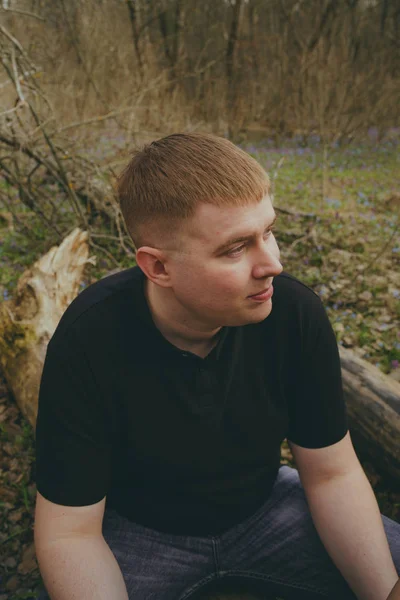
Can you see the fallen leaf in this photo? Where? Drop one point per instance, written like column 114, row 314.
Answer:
column 366, row 296
column 12, row 583
column 28, row 562
column 10, row 562
column 16, row 516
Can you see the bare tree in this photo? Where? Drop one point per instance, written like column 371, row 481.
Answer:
column 231, row 78
column 133, row 9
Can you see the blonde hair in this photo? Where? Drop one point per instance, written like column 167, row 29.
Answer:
column 166, row 180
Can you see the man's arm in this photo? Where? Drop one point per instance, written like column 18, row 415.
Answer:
column 395, row 593
column 74, row 559
column 347, row 517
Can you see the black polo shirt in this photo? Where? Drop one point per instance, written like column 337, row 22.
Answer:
column 179, row 443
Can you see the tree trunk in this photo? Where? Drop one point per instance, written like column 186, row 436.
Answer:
column 28, row 321
column 373, row 407
column 133, row 18
column 231, row 75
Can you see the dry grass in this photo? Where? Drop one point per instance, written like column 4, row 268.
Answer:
column 294, row 68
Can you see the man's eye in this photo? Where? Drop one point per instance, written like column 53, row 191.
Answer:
column 235, row 251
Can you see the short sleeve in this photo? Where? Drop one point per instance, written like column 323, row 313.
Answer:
column 72, row 438
column 316, row 406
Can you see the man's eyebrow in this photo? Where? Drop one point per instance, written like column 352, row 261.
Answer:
column 242, row 238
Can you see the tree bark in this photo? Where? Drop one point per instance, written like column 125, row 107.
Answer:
column 28, row 321
column 373, row 407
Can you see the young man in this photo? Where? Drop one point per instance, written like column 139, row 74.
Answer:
column 167, row 391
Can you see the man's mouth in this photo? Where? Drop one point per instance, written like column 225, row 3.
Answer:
column 264, row 294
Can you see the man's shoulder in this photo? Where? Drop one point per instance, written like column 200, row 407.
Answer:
column 288, row 289
column 298, row 312
column 296, row 308
column 102, row 300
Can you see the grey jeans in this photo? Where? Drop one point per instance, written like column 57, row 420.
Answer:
column 275, row 552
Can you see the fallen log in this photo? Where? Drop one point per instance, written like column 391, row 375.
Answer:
column 373, row 407
column 44, row 291
column 29, row 319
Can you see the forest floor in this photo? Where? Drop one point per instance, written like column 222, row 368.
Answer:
column 342, row 240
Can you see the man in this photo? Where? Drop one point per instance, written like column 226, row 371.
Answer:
column 167, row 391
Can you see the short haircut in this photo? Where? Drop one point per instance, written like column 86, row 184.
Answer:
column 166, row 180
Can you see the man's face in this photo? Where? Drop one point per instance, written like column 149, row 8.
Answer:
column 213, row 276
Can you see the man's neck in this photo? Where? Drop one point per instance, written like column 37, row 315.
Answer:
column 171, row 320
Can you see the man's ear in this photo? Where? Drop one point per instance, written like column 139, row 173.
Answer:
column 153, row 263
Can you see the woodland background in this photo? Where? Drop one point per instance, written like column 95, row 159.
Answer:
column 311, row 88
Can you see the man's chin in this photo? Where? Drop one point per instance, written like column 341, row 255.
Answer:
column 261, row 315
column 253, row 316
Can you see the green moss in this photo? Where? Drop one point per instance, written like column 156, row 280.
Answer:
column 14, row 336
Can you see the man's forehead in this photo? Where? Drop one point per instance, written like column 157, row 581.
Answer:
column 210, row 220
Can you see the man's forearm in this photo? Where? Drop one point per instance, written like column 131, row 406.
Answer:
column 347, row 518
column 80, row 567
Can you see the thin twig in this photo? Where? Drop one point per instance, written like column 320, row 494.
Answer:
column 309, row 234
column 66, row 183
column 98, row 119
column 22, row 12
column 25, row 194
column 22, row 226
column 17, row 82
column 12, row 39
column 382, row 251
column 296, row 213
column 106, row 252
column 22, row 76
column 34, row 156
column 40, row 127
column 127, row 251
column 11, row 110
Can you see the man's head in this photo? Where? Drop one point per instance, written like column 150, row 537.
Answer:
column 166, row 180
column 186, row 200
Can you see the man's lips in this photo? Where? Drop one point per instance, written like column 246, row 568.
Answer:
column 262, row 292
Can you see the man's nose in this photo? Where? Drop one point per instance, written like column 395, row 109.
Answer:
column 268, row 264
